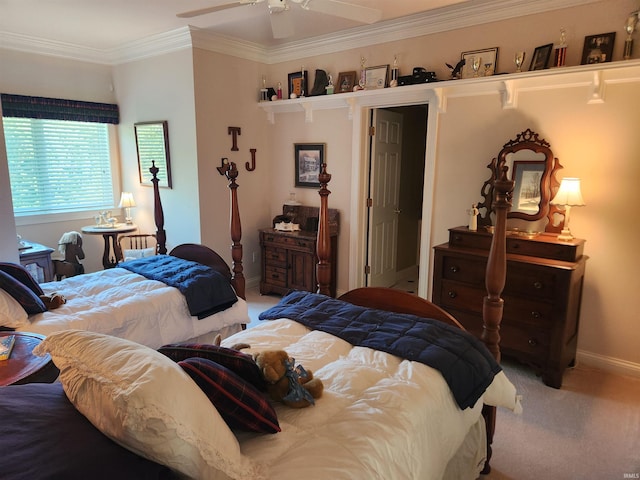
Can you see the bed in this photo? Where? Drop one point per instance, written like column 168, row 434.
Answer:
column 137, row 301
column 382, row 415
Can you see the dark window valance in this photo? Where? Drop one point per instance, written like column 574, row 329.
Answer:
column 58, row 109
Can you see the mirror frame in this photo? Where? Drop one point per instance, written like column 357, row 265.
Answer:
column 549, row 184
column 148, row 153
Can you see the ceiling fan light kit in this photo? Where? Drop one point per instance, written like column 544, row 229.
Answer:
column 282, row 25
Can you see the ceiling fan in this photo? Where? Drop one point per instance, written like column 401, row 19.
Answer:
column 281, row 23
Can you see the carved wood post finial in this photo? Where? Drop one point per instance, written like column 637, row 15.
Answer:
column 229, row 170
column 158, row 213
column 323, row 246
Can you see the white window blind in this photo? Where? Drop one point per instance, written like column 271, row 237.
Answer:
column 58, row 166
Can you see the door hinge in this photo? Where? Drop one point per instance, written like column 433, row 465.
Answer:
column 369, row 202
column 367, row 270
column 372, row 131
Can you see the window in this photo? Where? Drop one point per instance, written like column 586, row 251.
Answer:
column 58, row 166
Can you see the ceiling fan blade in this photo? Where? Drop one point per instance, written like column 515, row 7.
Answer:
column 281, row 25
column 218, row 8
column 345, row 10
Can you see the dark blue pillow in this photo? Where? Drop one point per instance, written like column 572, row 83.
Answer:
column 22, row 275
column 23, row 294
column 239, row 363
column 240, row 404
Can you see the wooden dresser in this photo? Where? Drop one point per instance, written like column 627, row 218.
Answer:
column 289, row 258
column 542, row 294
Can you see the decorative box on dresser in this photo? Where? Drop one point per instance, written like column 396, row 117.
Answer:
column 542, row 294
column 289, row 257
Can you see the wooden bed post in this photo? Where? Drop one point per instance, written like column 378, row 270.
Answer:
column 495, row 277
column 323, row 244
column 229, row 170
column 158, row 213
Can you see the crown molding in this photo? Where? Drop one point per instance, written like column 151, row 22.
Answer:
column 475, row 12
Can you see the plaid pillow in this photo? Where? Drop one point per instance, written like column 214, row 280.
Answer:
column 23, row 294
column 239, row 363
column 22, row 275
column 239, row 403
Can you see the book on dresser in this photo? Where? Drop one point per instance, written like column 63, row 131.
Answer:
column 6, row 345
column 542, row 294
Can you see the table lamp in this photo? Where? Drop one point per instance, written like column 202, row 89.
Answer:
column 568, row 196
column 126, row 202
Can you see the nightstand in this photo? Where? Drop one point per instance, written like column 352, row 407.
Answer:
column 23, row 366
column 36, row 259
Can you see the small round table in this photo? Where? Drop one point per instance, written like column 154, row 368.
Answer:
column 110, row 234
column 23, row 366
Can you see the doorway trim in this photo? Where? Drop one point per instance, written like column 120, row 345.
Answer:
column 360, row 152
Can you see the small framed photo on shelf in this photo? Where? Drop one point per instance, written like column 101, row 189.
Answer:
column 376, row 77
column 541, row 56
column 298, row 84
column 309, row 158
column 346, row 82
column 598, row 48
column 479, row 63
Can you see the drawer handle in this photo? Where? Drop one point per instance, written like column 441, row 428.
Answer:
column 533, row 342
column 536, row 314
column 515, row 245
column 457, row 238
column 274, row 255
column 454, row 269
column 275, row 275
column 452, row 294
column 537, row 285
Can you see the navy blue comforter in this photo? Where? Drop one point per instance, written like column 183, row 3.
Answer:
column 464, row 361
column 205, row 290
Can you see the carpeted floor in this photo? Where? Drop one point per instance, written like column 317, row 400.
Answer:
column 587, row 430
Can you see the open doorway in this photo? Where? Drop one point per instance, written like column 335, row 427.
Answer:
column 396, row 166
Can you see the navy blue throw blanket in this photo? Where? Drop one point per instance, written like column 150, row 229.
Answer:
column 205, row 290
column 464, row 361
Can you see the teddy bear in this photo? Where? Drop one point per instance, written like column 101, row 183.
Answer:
column 287, row 383
column 53, row 301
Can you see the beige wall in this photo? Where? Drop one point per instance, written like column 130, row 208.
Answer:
column 595, row 142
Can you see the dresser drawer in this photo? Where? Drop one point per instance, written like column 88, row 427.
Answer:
column 461, row 296
column 527, row 312
column 531, row 342
column 464, row 269
column 275, row 276
column 531, row 281
column 275, row 256
column 289, row 241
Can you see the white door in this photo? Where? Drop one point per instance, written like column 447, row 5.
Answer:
column 384, row 188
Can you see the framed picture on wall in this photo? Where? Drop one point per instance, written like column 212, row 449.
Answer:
column 540, row 59
column 479, row 63
column 308, row 158
column 598, row 48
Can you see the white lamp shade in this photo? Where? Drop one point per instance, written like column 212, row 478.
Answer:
column 569, row 193
column 126, row 200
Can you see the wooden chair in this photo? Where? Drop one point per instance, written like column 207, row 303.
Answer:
column 142, row 242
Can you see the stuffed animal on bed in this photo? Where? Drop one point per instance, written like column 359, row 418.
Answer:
column 287, row 383
column 53, row 301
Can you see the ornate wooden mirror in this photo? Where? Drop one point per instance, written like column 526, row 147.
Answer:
column 532, row 166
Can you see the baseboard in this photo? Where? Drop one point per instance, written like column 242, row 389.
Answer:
column 253, row 282
column 608, row 364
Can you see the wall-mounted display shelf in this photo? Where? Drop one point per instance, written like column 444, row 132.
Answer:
column 508, row 86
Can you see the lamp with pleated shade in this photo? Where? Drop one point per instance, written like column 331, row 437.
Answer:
column 126, row 202
column 568, row 196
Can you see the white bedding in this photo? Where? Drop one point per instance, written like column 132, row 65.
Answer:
column 127, row 305
column 380, row 417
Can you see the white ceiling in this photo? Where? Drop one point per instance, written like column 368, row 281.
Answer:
column 104, row 25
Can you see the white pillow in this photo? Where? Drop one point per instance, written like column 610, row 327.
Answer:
column 138, row 253
column 145, row 402
column 12, row 315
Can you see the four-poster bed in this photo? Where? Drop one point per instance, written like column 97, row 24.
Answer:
column 386, row 411
column 152, row 309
